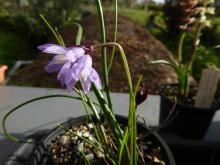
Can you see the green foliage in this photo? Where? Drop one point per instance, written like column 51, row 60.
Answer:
column 205, row 58
column 23, row 17
column 21, row 25
column 137, row 15
column 57, row 12
column 13, row 47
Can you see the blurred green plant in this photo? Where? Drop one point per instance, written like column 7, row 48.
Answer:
column 13, row 48
column 193, row 17
column 22, row 16
column 21, row 25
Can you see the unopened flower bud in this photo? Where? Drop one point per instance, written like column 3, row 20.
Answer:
column 141, row 95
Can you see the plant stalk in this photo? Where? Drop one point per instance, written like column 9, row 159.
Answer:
column 104, row 59
column 180, row 48
column 194, row 47
column 115, row 35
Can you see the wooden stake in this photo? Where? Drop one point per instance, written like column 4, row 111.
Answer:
column 207, row 88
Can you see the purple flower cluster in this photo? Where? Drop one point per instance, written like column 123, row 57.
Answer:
column 73, row 64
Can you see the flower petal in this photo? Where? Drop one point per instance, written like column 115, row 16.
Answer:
column 64, row 75
column 94, row 77
column 87, row 85
column 52, row 67
column 74, row 53
column 52, row 48
column 84, row 61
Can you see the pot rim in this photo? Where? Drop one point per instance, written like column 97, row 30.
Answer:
column 80, row 119
column 215, row 103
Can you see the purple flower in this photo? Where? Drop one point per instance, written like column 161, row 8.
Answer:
column 73, row 64
column 81, row 70
column 62, row 55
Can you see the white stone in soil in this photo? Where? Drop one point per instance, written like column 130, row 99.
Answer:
column 90, row 156
column 80, row 146
column 79, row 133
column 90, row 125
column 100, row 154
column 91, row 138
column 65, row 140
column 86, row 134
column 75, row 138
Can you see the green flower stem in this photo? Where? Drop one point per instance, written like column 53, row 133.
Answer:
column 13, row 138
column 58, row 34
column 87, row 111
column 180, row 48
column 132, row 127
column 86, row 106
column 110, row 118
column 185, row 88
column 194, row 47
column 123, row 146
column 91, row 105
column 115, row 35
column 84, row 157
column 58, row 38
column 104, row 59
column 88, row 103
column 132, row 113
column 124, row 61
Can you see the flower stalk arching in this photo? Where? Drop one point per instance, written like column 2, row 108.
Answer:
column 79, row 33
column 115, row 35
column 129, row 138
column 104, row 56
column 124, row 61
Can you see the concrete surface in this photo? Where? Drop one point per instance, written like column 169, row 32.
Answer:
column 45, row 114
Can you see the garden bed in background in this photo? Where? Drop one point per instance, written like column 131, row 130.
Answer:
column 140, row 48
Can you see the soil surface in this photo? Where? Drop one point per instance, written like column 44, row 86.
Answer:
column 140, row 48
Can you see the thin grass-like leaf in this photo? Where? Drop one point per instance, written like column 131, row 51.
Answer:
column 52, row 30
column 122, row 147
column 109, row 116
column 115, row 35
column 84, row 157
column 79, row 33
column 104, row 54
column 60, row 37
column 175, row 67
column 15, row 139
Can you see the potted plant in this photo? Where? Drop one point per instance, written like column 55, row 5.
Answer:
column 177, row 100
column 100, row 137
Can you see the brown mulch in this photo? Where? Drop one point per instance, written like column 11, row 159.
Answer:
column 140, row 48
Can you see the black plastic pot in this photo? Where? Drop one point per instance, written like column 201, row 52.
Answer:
column 39, row 155
column 187, row 121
